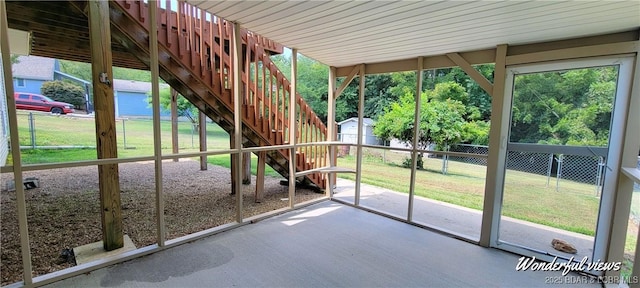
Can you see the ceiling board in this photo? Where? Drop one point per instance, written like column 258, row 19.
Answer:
column 447, row 29
column 344, row 33
column 310, row 14
column 260, row 10
column 341, row 22
column 295, row 9
column 341, row 33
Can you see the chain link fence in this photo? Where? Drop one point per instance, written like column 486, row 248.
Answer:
column 561, row 171
column 473, row 149
column 557, row 168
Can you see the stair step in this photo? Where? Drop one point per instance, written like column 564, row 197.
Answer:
column 328, row 169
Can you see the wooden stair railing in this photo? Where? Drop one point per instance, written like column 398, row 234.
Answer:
column 195, row 60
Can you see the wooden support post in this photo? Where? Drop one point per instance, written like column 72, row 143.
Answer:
column 15, row 153
column 331, row 124
column 246, row 168
column 262, row 155
column 334, row 159
column 236, row 41
column 157, row 142
column 635, row 273
column 174, row 122
column 472, row 72
column 292, row 126
column 416, row 135
column 360, row 134
column 500, row 112
column 346, row 81
column 202, row 132
column 232, row 145
column 108, row 176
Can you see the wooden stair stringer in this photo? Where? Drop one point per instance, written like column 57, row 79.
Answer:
column 131, row 35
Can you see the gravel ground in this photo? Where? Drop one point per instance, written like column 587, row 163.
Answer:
column 63, row 212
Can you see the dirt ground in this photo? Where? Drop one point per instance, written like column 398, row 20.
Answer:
column 63, row 212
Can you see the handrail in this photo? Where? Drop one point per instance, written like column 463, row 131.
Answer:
column 558, row 149
column 632, row 172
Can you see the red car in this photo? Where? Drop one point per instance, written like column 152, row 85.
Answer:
column 29, row 101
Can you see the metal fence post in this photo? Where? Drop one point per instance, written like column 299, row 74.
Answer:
column 599, row 174
column 193, row 129
column 559, row 174
column 549, row 168
column 445, row 159
column 384, row 156
column 32, row 130
column 124, row 134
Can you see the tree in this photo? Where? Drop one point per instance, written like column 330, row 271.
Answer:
column 64, row 92
column 185, row 108
column 443, row 122
column 442, row 119
column 402, row 83
column 313, row 87
column 77, row 69
column 478, row 98
column 132, row 74
column 564, row 107
column 312, row 81
column 397, row 122
column 378, row 94
column 83, row 71
column 14, row 59
column 383, row 89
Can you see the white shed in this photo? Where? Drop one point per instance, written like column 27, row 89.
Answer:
column 349, row 131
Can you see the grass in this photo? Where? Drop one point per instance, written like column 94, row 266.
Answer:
column 526, row 196
column 225, row 161
column 134, row 138
column 34, row 156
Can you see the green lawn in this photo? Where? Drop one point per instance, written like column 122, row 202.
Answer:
column 526, row 196
column 70, row 131
column 67, row 131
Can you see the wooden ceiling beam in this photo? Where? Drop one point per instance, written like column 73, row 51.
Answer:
column 543, row 51
column 346, row 82
column 472, row 72
column 60, row 30
column 52, row 13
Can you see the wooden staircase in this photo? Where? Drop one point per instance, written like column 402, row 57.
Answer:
column 194, row 58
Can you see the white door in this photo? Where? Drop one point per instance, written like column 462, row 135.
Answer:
column 562, row 150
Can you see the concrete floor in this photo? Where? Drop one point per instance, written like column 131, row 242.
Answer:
column 463, row 221
column 324, row 245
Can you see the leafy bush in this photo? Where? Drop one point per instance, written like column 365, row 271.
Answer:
column 64, row 92
column 408, row 163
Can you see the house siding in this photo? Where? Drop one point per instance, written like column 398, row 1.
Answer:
column 30, row 85
column 134, row 104
column 130, row 96
column 4, row 123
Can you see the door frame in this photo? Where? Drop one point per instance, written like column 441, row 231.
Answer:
column 614, row 155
